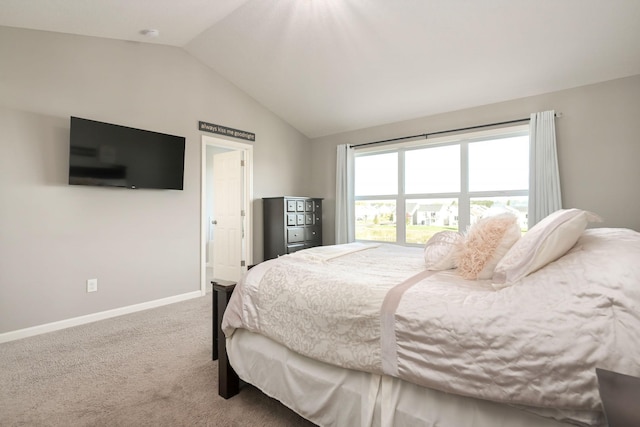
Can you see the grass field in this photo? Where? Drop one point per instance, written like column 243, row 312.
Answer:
column 387, row 232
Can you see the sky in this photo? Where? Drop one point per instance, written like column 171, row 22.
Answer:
column 501, row 164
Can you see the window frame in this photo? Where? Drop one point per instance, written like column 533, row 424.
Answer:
column 464, row 196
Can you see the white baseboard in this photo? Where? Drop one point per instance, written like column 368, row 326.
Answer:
column 76, row 321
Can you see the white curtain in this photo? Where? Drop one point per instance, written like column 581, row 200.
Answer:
column 544, row 178
column 345, row 217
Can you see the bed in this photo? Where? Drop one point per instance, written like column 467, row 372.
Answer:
column 483, row 328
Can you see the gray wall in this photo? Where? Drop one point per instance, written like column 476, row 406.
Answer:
column 598, row 139
column 142, row 245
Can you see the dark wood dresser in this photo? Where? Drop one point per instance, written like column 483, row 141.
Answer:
column 291, row 224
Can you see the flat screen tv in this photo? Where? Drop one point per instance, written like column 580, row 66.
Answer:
column 104, row 154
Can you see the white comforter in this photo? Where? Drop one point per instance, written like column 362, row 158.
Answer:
column 536, row 343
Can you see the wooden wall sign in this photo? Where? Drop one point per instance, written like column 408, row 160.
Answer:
column 223, row 130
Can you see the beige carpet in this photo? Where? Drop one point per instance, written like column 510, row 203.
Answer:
column 151, row 368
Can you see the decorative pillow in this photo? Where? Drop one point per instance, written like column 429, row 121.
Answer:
column 441, row 249
column 486, row 242
column 545, row 242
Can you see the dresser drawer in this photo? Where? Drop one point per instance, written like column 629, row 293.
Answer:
column 295, row 235
column 291, row 219
column 312, row 233
column 309, row 219
column 309, row 205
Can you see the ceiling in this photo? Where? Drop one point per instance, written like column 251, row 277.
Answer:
column 329, row 66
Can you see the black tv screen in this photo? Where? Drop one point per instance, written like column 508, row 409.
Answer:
column 105, row 154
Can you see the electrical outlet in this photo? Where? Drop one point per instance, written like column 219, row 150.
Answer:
column 92, row 285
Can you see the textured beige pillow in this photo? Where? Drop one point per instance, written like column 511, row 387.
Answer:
column 440, row 250
column 486, row 242
column 547, row 241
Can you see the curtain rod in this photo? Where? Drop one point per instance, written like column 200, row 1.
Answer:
column 426, row 135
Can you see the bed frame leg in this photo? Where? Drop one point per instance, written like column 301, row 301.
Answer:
column 228, row 381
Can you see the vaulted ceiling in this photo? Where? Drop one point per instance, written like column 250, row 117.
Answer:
column 328, row 66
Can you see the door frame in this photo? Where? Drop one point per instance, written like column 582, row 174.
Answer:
column 248, row 198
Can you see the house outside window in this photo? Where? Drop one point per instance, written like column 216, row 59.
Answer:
column 407, row 192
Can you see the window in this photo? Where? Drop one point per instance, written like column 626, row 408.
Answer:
column 407, row 193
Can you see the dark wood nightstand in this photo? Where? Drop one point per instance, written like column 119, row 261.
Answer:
column 620, row 395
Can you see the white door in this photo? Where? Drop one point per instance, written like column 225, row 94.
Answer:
column 228, row 215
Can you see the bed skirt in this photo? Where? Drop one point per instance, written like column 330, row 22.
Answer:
column 331, row 396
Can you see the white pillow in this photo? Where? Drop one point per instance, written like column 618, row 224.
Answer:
column 486, row 242
column 440, row 250
column 545, row 242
